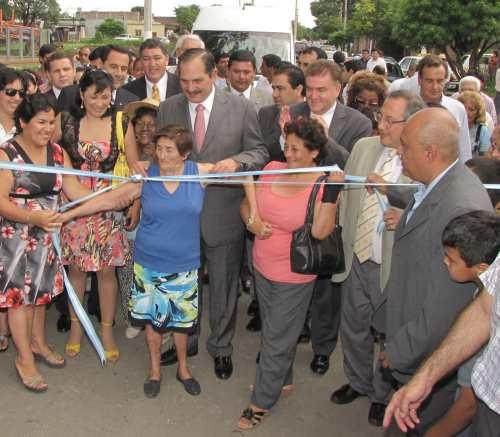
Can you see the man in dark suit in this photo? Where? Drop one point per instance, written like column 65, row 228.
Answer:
column 61, row 73
column 421, row 301
column 115, row 62
column 157, row 83
column 226, row 132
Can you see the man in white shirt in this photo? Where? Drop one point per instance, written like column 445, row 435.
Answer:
column 240, row 76
column 367, row 251
column 432, row 73
column 375, row 60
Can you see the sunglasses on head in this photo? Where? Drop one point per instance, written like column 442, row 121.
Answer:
column 11, row 92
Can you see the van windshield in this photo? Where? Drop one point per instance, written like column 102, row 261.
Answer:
column 259, row 43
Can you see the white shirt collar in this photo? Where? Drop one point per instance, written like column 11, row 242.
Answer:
column 328, row 115
column 161, row 84
column 245, row 93
column 56, row 91
column 207, row 103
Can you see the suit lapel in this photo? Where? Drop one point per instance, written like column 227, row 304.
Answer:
column 338, row 121
column 216, row 117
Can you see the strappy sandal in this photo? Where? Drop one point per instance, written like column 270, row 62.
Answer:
column 4, row 340
column 53, row 359
column 72, row 349
column 35, row 384
column 250, row 419
column 112, row 355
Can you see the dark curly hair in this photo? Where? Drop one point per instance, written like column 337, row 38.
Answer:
column 9, row 75
column 101, row 80
column 311, row 132
column 30, row 106
column 366, row 80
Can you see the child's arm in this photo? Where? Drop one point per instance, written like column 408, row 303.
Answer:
column 458, row 417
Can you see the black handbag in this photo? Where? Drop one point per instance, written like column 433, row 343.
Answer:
column 317, row 257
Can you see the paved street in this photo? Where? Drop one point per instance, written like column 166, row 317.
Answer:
column 86, row 400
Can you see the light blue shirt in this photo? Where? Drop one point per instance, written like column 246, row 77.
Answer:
column 423, row 191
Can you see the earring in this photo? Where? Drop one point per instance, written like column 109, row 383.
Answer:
column 81, row 105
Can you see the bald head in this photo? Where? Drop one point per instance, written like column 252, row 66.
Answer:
column 429, row 144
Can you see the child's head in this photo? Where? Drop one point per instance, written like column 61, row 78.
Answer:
column 471, row 242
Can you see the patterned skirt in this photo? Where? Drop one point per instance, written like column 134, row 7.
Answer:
column 167, row 301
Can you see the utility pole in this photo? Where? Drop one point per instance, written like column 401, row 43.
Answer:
column 296, row 21
column 148, row 19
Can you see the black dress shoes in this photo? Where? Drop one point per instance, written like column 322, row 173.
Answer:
column 63, row 323
column 253, row 308
column 320, row 364
column 255, row 324
column 169, row 357
column 305, row 334
column 223, row 367
column 345, row 395
column 376, row 414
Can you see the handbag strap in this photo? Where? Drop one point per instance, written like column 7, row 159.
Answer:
column 312, row 199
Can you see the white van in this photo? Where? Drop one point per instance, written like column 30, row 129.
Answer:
column 261, row 30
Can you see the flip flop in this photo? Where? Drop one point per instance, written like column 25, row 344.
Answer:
column 52, row 360
column 4, row 338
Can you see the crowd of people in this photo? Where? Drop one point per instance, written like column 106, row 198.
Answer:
column 419, row 294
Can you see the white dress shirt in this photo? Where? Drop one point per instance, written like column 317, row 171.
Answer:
column 372, row 63
column 328, row 115
column 264, row 84
column 245, row 93
column 57, row 91
column 397, row 169
column 161, row 84
column 208, row 103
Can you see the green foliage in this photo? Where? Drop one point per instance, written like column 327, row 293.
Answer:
column 304, row 32
column 139, row 9
column 327, row 18
column 456, row 27
column 110, row 28
column 30, row 11
column 186, row 16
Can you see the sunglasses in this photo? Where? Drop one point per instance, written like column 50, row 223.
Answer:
column 11, row 92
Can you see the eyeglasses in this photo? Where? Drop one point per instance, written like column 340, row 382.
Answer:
column 365, row 102
column 379, row 117
column 11, row 92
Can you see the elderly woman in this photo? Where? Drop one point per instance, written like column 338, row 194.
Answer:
column 476, row 117
column 366, row 93
column 11, row 94
column 95, row 243
column 164, row 294
column 284, row 296
column 142, row 115
column 30, row 272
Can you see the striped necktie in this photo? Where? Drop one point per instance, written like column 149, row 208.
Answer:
column 363, row 245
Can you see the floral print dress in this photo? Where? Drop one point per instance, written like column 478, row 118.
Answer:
column 30, row 272
column 99, row 240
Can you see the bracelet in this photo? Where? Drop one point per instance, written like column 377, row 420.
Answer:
column 331, row 193
column 250, row 221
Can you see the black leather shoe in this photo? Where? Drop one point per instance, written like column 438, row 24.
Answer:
column 305, row 334
column 191, row 385
column 63, row 323
column 345, row 395
column 320, row 364
column 253, row 308
column 169, row 357
column 223, row 367
column 376, row 414
column 255, row 324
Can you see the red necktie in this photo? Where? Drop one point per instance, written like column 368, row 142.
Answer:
column 199, row 127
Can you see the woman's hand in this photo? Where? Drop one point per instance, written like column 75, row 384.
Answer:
column 47, row 220
column 391, row 218
column 140, row 167
column 261, row 230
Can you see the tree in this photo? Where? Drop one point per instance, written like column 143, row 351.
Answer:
column 455, row 27
column 326, row 15
column 186, row 15
column 304, row 32
column 110, row 28
column 139, row 9
column 30, row 11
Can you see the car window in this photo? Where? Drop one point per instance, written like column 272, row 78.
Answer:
column 405, row 63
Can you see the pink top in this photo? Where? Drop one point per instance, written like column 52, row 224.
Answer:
column 271, row 257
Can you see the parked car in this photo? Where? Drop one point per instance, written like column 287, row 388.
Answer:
column 393, row 69
column 407, row 62
column 126, row 37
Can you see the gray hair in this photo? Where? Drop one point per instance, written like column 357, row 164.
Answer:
column 414, row 102
column 192, row 36
column 469, row 79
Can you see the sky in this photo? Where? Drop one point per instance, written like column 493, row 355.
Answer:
column 166, row 7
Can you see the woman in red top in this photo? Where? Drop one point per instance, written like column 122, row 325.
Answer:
column 283, row 295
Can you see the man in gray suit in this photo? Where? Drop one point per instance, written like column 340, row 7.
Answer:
column 367, row 251
column 226, row 132
column 241, row 72
column 420, row 301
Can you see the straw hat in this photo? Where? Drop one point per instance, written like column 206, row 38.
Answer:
column 130, row 109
